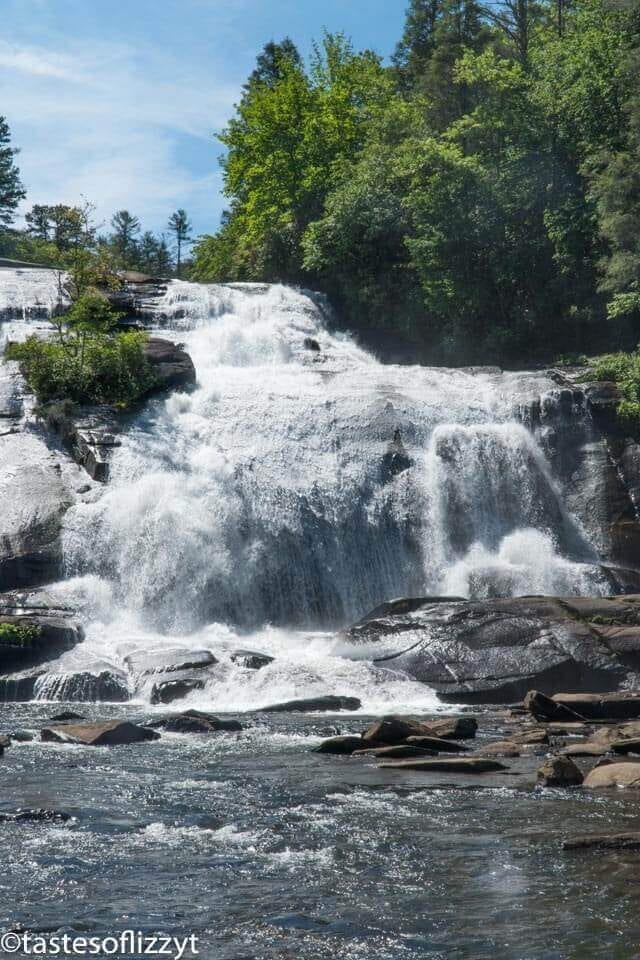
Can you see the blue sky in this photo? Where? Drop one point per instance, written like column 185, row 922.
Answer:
column 118, row 100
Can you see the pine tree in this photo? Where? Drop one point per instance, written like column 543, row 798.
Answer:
column 416, row 47
column 11, row 188
column 180, row 227
column 271, row 63
column 126, row 228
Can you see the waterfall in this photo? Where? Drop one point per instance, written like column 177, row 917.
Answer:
column 300, row 484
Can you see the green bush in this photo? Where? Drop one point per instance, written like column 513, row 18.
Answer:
column 13, row 633
column 88, row 361
column 623, row 369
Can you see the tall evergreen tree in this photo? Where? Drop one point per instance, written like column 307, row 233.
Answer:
column 180, row 227
column 11, row 188
column 272, row 63
column 126, row 228
column 415, row 49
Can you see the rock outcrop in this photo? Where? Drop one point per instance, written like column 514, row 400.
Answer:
column 494, row 651
column 100, row 734
column 314, row 705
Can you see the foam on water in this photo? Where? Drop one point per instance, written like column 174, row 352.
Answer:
column 300, row 485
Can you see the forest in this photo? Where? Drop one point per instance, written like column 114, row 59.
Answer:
column 479, row 196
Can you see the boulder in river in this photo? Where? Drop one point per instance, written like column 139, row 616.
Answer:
column 172, row 366
column 499, row 748
column 398, row 750
column 251, row 659
column 35, row 816
column 624, row 774
column 169, row 690
column 447, row 765
column 328, row 704
column 559, row 772
column 438, row 744
column 194, row 721
column 99, row 734
column 494, row 651
column 603, row 841
column 584, row 706
column 395, row 729
column 342, row 745
column 169, row 661
column 27, row 640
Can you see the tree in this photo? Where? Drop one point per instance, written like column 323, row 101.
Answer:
column 11, row 188
column 272, row 63
column 416, row 47
column 126, row 228
column 38, row 221
column 180, row 227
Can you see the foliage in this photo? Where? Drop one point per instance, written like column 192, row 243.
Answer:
column 624, row 369
column 11, row 189
column 180, row 227
column 17, row 634
column 88, row 360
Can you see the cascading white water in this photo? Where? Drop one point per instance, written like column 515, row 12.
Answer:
column 299, row 485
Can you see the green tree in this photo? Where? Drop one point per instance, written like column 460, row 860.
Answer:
column 125, row 227
column 180, row 226
column 11, row 188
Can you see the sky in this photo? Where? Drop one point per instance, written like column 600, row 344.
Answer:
column 118, row 101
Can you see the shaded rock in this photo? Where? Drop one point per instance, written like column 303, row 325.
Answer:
column 453, row 728
column 65, row 716
column 559, row 772
column 630, row 745
column 501, row 748
column 587, row 749
column 449, row 765
column 19, row 687
column 398, row 750
column 83, row 687
column 35, row 816
column 250, row 659
column 35, row 639
column 169, row 661
column 314, row 705
column 172, row 367
column 340, row 745
column 568, row 729
column 584, row 706
column 614, row 775
column 170, row 690
column 603, row 841
column 396, row 460
column 310, row 344
column 193, row 721
column 438, row 744
column 494, row 651
column 99, row 734
column 23, row 736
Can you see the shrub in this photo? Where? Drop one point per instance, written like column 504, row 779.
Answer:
column 88, row 361
column 624, row 369
column 16, row 634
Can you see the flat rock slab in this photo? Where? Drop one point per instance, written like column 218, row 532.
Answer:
column 438, row 744
column 193, row 721
column 251, row 659
column 631, row 745
column 399, row 750
column 614, row 775
column 501, row 748
column 341, row 746
column 613, row 841
column 111, row 733
column 584, row 706
column 586, row 750
column 454, row 765
column 169, row 661
column 314, row 705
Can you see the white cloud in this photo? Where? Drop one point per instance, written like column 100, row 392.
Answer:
column 122, row 125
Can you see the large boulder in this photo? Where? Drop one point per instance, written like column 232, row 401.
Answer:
column 34, row 496
column 100, row 734
column 195, row 721
column 144, row 663
column 27, row 641
column 559, row 772
column 614, row 775
column 584, row 706
column 496, row 650
column 177, row 689
column 395, row 729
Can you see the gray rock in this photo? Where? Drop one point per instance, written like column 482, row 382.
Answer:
column 494, row 651
column 584, row 706
column 99, row 734
column 559, row 772
column 194, row 721
column 468, row 765
column 35, row 816
column 169, row 661
column 340, row 745
column 395, row 729
column 250, row 659
column 314, row 705
column 399, row 750
column 169, row 690
column 35, row 640
column 172, row 367
column 603, row 841
column 614, row 775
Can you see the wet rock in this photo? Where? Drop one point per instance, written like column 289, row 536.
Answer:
column 98, row 734
column 399, row 750
column 33, row 639
column 172, row 367
column 568, row 729
column 494, row 651
column 310, row 344
column 169, row 661
column 605, row 841
column 614, row 775
column 23, row 736
column 314, row 705
column 559, row 772
column 468, row 765
column 396, row 729
column 35, row 497
column 586, row 749
column 396, row 460
column 84, row 687
column 65, row 716
column 584, row 706
column 193, row 721
column 170, row 690
column 35, row 816
column 438, row 744
column 529, row 737
column 340, row 745
column 501, row 748
column 19, row 687
column 630, row 745
column 250, row 659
